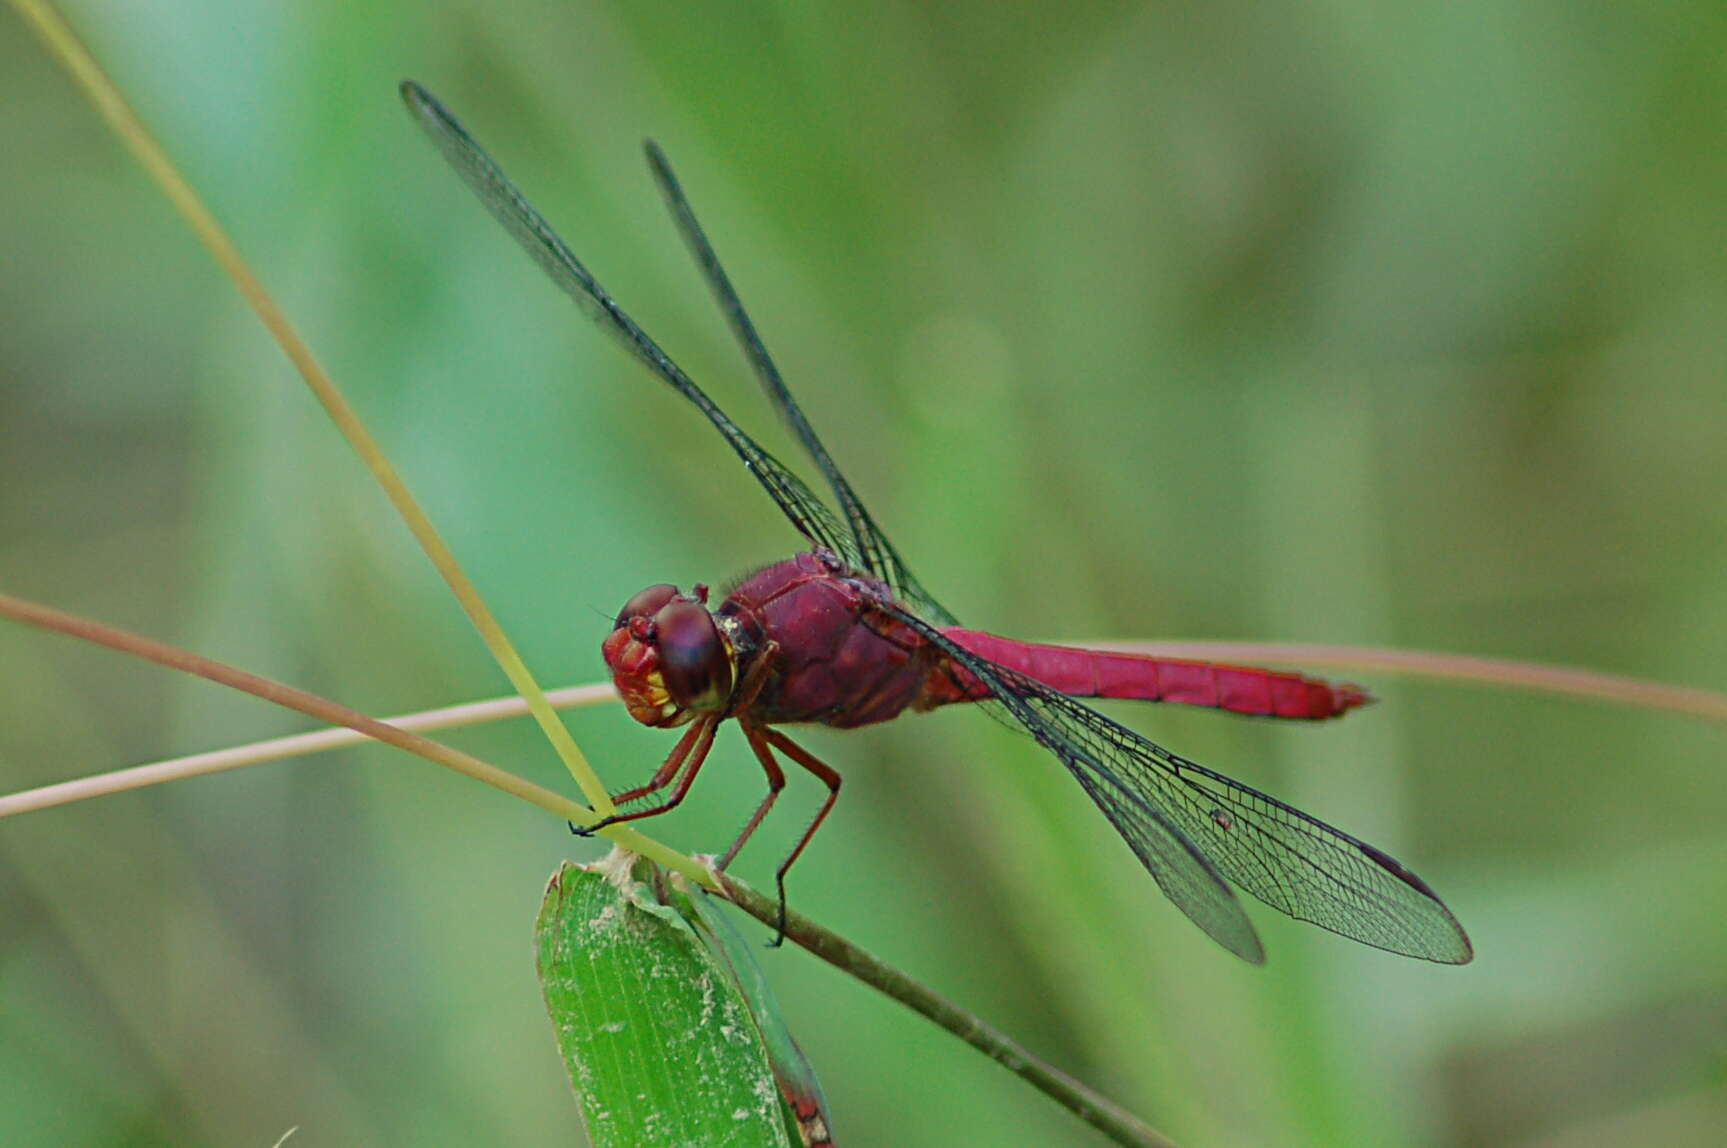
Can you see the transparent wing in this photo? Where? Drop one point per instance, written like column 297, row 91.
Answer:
column 1293, row 862
column 808, row 514
column 878, row 556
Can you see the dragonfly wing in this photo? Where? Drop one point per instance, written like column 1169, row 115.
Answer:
column 1184, row 873
column 876, row 555
column 808, row 514
column 1292, row 861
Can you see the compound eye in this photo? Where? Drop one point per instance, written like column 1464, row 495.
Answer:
column 645, row 604
column 694, row 663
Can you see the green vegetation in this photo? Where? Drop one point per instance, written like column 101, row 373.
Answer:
column 1404, row 330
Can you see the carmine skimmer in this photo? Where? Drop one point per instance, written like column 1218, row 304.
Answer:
column 844, row 635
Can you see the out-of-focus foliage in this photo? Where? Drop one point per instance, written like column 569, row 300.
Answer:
column 1383, row 324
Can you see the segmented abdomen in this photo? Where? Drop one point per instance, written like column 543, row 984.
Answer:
column 1104, row 674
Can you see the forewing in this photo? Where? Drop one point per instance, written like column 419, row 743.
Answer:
column 875, row 554
column 808, row 514
column 1293, row 862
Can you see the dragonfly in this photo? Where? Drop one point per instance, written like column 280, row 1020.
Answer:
column 843, row 635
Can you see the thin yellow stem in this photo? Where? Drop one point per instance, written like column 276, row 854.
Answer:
column 63, row 43
column 1707, row 704
column 58, row 621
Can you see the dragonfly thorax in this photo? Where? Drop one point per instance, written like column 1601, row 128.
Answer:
column 668, row 657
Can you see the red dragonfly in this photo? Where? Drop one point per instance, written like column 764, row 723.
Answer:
column 845, row 636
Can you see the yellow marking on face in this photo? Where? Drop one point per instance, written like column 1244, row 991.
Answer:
column 654, row 692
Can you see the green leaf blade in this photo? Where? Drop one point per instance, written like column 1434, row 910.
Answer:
column 660, row 1048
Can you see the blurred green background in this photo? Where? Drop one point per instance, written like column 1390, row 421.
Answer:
column 1397, row 325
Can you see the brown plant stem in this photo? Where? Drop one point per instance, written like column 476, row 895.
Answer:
column 59, row 621
column 294, row 745
column 1100, row 1112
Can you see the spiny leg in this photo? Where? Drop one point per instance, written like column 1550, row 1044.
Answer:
column 694, row 746
column 702, row 729
column 829, row 777
column 776, row 782
column 664, row 774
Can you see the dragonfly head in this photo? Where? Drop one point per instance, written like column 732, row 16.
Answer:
column 669, row 660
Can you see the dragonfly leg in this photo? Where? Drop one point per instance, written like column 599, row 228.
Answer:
column 688, row 755
column 666, row 772
column 776, row 782
column 829, row 777
column 755, row 677
column 703, row 729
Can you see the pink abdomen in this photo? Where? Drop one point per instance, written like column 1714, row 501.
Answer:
column 1102, row 674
